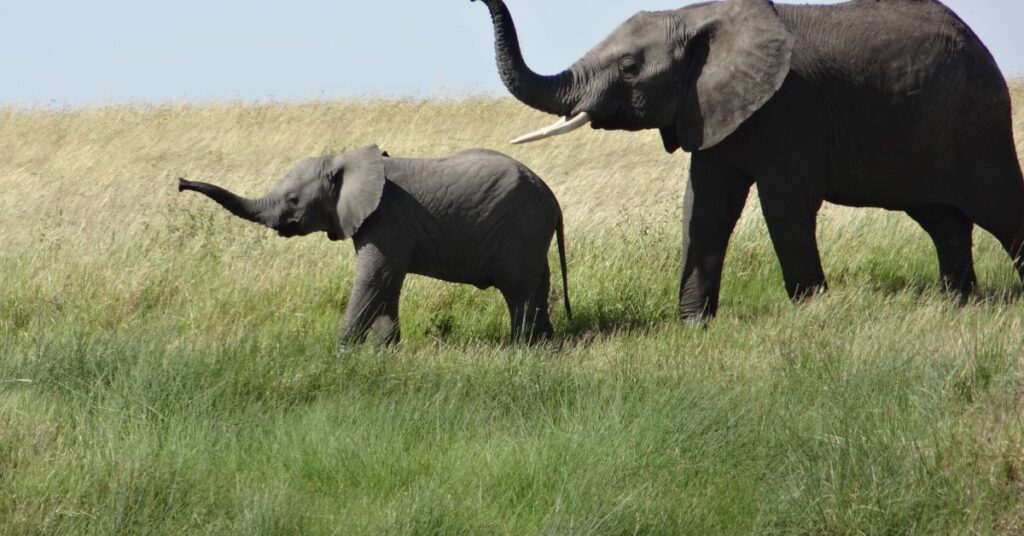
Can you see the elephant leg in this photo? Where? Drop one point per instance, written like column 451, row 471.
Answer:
column 791, row 216
column 1009, row 230
column 527, row 301
column 950, row 230
column 373, row 303
column 385, row 330
column 712, row 204
column 998, row 204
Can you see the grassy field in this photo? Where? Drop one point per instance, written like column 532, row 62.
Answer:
column 166, row 368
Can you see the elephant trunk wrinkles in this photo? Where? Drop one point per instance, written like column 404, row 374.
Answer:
column 551, row 94
column 253, row 210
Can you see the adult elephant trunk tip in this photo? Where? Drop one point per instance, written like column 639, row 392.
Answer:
column 549, row 94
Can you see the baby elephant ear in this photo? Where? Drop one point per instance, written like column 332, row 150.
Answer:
column 361, row 173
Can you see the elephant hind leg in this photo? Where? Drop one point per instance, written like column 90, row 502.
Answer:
column 1013, row 243
column 950, row 230
column 527, row 300
column 997, row 204
column 1010, row 234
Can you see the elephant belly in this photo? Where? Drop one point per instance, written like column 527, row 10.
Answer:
column 893, row 195
column 458, row 261
column 894, row 179
column 464, row 277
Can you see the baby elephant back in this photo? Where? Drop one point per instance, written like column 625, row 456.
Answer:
column 475, row 187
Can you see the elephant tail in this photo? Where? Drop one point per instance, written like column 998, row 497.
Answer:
column 560, row 237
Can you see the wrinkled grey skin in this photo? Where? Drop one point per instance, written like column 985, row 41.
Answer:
column 883, row 103
column 476, row 217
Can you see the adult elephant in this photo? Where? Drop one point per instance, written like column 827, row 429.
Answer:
column 884, row 103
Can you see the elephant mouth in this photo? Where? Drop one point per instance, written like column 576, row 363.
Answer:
column 602, row 124
column 619, row 118
column 288, row 230
column 613, row 124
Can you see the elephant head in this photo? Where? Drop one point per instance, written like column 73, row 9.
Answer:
column 332, row 193
column 694, row 73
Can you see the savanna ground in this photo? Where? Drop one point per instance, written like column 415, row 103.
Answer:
column 166, row 368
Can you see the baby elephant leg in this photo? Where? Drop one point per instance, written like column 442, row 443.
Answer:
column 373, row 304
column 527, row 301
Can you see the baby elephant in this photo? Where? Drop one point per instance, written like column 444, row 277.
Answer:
column 476, row 217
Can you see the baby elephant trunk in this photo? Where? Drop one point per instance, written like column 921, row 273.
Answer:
column 250, row 209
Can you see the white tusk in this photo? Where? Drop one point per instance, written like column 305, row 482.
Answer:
column 561, row 126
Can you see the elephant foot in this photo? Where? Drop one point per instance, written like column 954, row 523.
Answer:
column 697, row 312
column 385, row 332
column 532, row 337
column 962, row 296
column 694, row 317
column 342, row 351
column 804, row 292
column 960, row 286
column 696, row 321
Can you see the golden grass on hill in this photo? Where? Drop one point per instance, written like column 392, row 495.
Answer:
column 87, row 172
column 79, row 174
column 100, row 179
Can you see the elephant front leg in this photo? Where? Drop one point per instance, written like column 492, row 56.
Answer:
column 373, row 303
column 712, row 205
column 371, row 310
column 791, row 216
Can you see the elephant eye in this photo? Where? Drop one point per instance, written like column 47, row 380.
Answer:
column 293, row 200
column 629, row 66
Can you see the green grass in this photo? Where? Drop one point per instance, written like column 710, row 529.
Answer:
column 167, row 369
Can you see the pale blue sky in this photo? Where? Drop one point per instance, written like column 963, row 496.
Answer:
column 74, row 52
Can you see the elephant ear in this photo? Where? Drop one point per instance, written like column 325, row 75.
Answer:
column 361, row 175
column 737, row 56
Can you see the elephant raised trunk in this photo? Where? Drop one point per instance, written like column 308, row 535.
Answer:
column 254, row 210
column 556, row 94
